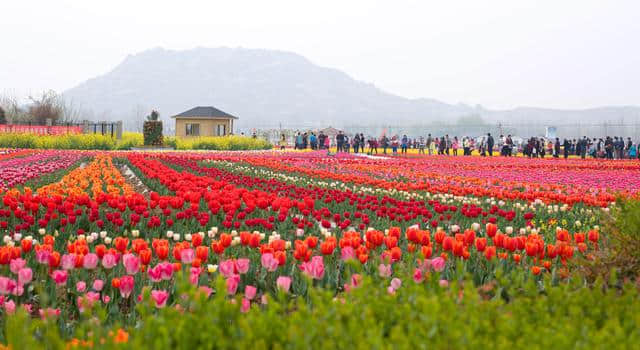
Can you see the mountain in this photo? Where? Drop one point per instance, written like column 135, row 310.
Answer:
column 267, row 88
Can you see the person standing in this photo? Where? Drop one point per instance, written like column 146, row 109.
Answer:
column 421, row 145
column 298, row 141
column 313, row 140
column 454, row 145
column 405, row 144
column 283, row 141
column 374, row 145
column 633, row 151
column 355, row 140
column 490, row 143
column 567, row 148
column 385, row 143
column 608, row 147
column 465, row 146
column 340, row 141
column 429, row 142
column 394, row 145
column 556, row 148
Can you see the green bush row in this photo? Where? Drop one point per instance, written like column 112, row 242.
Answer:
column 508, row 314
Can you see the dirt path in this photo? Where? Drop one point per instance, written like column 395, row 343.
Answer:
column 132, row 179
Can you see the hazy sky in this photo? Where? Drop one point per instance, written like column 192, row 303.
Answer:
column 501, row 54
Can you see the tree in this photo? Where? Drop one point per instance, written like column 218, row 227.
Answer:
column 3, row 118
column 11, row 108
column 47, row 106
column 154, row 116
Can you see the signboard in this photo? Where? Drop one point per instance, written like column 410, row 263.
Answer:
column 551, row 132
column 41, row 129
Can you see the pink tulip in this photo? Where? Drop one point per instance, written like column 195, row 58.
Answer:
column 155, row 273
column 356, row 279
column 187, row 255
column 269, row 262
column 384, row 270
column 90, row 261
column 206, row 290
column 438, row 264
column 444, row 283
column 227, row 268
column 10, row 307
column 314, row 268
column 126, row 286
column 68, row 261
column 42, row 256
column 396, row 283
column 232, row 284
column 242, row 265
column 418, row 275
column 194, row 275
column 131, row 264
column 106, row 299
column 49, row 313
column 7, row 285
column 246, row 305
column 25, row 275
column 98, row 285
column 283, row 283
column 59, row 276
column 167, row 270
column 109, row 261
column 250, row 292
column 16, row 265
column 160, row 297
column 348, row 253
column 81, row 286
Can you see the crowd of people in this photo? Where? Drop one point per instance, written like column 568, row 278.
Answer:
column 608, row 147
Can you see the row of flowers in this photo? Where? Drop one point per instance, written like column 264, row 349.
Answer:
column 26, row 166
column 97, row 267
column 542, row 180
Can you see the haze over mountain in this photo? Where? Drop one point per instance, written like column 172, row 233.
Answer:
column 266, row 88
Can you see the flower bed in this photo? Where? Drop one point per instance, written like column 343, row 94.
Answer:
column 271, row 223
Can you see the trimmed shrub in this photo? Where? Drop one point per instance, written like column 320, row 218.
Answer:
column 152, row 131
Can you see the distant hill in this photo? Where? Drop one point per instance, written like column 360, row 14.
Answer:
column 266, row 88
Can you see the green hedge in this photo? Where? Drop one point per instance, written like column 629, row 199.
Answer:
column 510, row 314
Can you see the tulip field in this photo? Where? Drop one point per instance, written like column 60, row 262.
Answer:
column 117, row 237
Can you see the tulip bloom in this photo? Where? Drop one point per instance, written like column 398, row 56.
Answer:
column 283, row 283
column 131, row 263
column 59, row 276
column 160, row 298
column 126, row 286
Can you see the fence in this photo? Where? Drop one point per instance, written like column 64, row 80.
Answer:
column 562, row 130
column 113, row 129
column 41, row 129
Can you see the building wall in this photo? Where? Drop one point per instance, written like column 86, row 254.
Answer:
column 208, row 127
